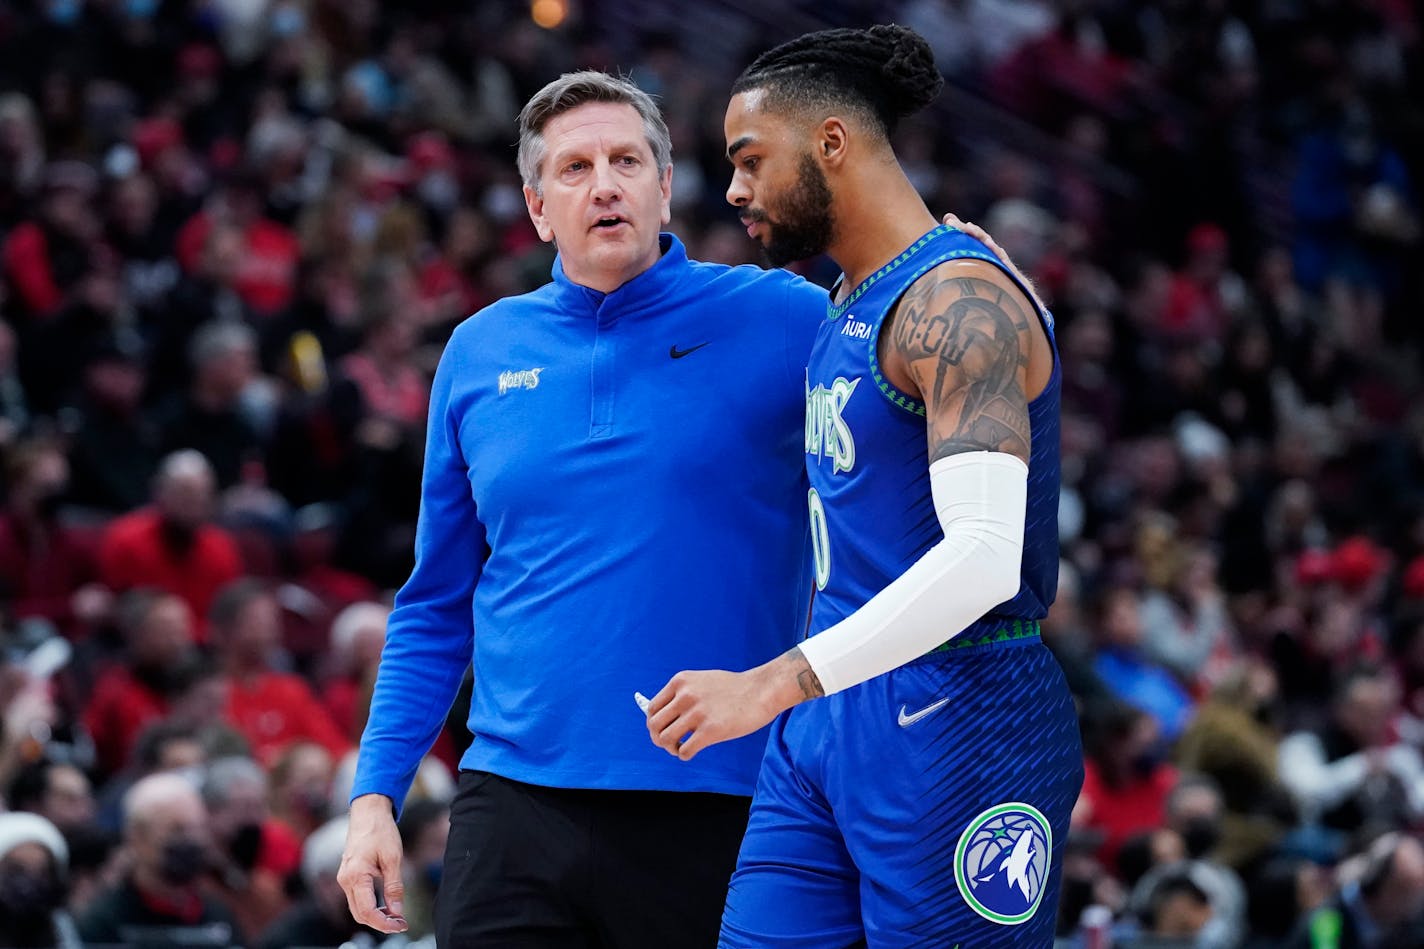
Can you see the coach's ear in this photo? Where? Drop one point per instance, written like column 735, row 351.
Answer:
column 665, row 186
column 534, row 201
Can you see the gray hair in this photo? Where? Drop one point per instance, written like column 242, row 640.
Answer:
column 223, row 774
column 572, row 90
column 218, row 338
column 321, row 854
column 352, row 620
column 154, row 793
column 184, row 463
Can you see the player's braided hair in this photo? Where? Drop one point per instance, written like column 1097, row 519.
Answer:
column 888, row 72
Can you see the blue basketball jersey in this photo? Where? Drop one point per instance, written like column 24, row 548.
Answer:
column 872, row 515
column 927, row 806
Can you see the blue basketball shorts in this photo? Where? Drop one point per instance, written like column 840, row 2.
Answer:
column 927, row 807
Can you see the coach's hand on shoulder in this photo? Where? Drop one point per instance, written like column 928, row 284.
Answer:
column 372, row 864
column 983, row 237
column 698, row 709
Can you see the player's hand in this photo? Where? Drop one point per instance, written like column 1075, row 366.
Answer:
column 372, row 863
column 982, row 236
column 698, row 709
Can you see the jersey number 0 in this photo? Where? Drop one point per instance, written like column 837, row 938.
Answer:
column 820, row 539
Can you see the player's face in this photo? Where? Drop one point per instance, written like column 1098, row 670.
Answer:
column 601, row 199
column 778, row 188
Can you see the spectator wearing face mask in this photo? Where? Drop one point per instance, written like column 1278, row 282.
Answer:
column 160, row 899
column 1127, row 779
column 424, row 830
column 33, row 861
column 46, row 571
column 132, row 694
column 301, row 787
column 254, row 853
column 321, row 917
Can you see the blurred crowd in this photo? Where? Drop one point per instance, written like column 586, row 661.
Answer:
column 234, row 235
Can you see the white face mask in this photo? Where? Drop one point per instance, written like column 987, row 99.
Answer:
column 1216, row 934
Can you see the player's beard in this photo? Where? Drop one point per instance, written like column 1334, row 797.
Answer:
column 800, row 221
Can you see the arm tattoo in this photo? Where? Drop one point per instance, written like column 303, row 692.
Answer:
column 806, row 678
column 964, row 340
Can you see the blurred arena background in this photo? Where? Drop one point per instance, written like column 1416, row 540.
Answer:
column 234, row 235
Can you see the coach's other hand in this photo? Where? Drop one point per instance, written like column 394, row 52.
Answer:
column 373, row 860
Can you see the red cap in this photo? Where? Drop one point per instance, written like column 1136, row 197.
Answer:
column 197, row 60
column 428, row 151
column 1412, row 583
column 1313, row 567
column 1357, row 561
column 153, row 137
column 1206, row 237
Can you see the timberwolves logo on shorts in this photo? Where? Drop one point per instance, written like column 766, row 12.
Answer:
column 1001, row 862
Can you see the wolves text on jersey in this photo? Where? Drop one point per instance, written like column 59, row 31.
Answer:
column 827, row 433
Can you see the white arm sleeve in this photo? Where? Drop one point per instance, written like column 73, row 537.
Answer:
column 980, row 498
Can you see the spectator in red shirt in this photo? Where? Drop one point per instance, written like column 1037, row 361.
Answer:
column 357, row 636
column 449, row 281
column 45, row 570
column 269, row 264
column 301, row 787
column 158, row 631
column 45, row 258
column 270, row 709
column 171, row 545
column 392, row 389
column 1205, row 292
column 1126, row 780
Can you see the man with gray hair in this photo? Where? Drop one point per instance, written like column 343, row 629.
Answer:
column 613, row 491
column 160, row 901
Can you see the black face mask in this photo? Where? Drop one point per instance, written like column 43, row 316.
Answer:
column 24, row 895
column 163, row 678
column 177, row 537
column 183, row 861
column 47, row 505
column 1144, row 763
column 1200, row 835
column 246, row 844
column 314, row 804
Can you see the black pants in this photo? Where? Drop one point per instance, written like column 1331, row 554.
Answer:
column 530, row 867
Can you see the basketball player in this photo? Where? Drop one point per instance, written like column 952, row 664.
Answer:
column 918, row 793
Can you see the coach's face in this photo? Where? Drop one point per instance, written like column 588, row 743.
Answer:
column 778, row 187
column 601, row 199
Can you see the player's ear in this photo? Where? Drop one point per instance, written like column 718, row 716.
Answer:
column 832, row 140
